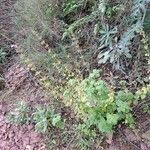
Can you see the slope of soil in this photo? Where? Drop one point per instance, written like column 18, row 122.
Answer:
column 21, row 85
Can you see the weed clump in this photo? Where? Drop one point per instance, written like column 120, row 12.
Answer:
column 43, row 118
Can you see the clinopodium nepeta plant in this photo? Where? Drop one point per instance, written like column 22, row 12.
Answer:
column 97, row 104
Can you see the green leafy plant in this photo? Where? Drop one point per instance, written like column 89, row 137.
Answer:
column 143, row 92
column 146, row 109
column 57, row 121
column 64, row 41
column 98, row 105
column 2, row 55
column 45, row 118
column 106, row 36
column 72, row 5
column 41, row 118
column 20, row 114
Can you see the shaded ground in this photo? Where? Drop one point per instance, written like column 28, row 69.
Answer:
column 7, row 27
column 128, row 139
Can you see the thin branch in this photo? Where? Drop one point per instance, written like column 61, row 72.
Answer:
column 7, row 38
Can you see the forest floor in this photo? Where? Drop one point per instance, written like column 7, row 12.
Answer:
column 21, row 85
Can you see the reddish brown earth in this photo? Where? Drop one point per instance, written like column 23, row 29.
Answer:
column 21, row 86
column 20, row 137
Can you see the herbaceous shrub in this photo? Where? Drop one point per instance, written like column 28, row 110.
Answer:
column 97, row 104
column 45, row 118
column 20, row 114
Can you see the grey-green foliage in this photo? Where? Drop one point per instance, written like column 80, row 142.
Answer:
column 139, row 9
column 20, row 114
column 45, row 118
column 147, row 21
column 82, row 28
column 2, row 55
column 120, row 49
column 113, row 48
column 106, row 36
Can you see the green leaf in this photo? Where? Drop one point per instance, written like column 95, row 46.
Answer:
column 57, row 122
column 125, row 96
column 103, row 126
column 56, row 119
column 112, row 118
column 122, row 106
column 129, row 119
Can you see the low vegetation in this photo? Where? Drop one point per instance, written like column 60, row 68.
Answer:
column 97, row 104
column 92, row 56
column 43, row 118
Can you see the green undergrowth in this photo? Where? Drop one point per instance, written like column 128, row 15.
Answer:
column 98, row 105
column 92, row 57
column 97, row 108
column 43, row 118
